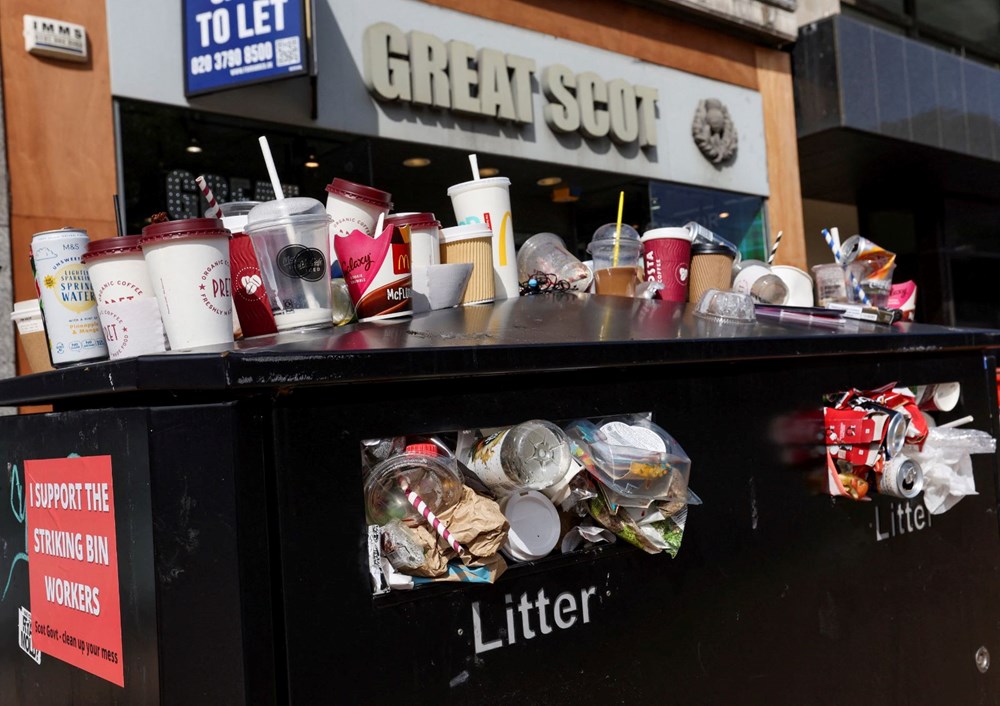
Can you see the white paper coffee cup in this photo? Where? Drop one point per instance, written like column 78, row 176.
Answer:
column 188, row 263
column 126, row 304
column 488, row 201
column 352, row 207
column 799, row 283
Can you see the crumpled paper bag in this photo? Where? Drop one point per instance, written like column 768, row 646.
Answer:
column 475, row 522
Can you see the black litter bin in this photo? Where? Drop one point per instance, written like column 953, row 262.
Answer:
column 242, row 546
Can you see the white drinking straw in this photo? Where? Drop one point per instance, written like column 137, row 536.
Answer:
column 271, row 171
column 380, row 224
column 474, row 163
column 835, row 232
column 957, row 422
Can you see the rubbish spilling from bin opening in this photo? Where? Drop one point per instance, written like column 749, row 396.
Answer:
column 882, row 440
column 518, row 494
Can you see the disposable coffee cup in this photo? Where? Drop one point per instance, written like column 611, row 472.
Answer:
column 547, row 253
column 352, row 207
column 248, row 302
column 799, row 283
column 472, row 243
column 487, row 201
column 534, row 525
column 940, row 397
column 423, row 232
column 291, row 240
column 666, row 258
column 755, row 278
column 711, row 268
column 69, row 307
column 617, row 260
column 377, row 271
column 31, row 330
column 188, row 262
column 126, row 304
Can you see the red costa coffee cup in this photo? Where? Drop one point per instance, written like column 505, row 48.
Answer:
column 666, row 258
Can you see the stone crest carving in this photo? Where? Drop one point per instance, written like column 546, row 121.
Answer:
column 714, row 133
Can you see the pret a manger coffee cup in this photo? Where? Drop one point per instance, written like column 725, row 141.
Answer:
column 126, row 304
column 291, row 239
column 28, row 317
column 472, row 243
column 67, row 296
column 188, row 263
column 487, row 202
column 666, row 258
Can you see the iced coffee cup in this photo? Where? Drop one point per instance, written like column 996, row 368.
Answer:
column 28, row 317
column 547, row 253
column 487, row 201
column 126, row 304
column 188, row 262
column 291, row 239
column 617, row 261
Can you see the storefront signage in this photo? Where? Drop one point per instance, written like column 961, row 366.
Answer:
column 55, row 39
column 419, row 68
column 231, row 43
column 73, row 563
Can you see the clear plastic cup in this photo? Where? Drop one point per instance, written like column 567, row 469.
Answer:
column 435, row 479
column 547, row 253
column 831, row 287
column 291, row 239
column 616, row 276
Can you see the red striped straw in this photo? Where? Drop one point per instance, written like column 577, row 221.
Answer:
column 209, row 196
column 416, row 501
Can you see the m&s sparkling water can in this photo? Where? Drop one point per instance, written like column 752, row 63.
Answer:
column 68, row 303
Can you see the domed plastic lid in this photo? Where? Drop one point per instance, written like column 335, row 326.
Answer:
column 534, row 525
column 186, row 228
column 414, row 220
column 348, row 189
column 436, row 480
column 283, row 212
column 605, row 236
column 111, row 247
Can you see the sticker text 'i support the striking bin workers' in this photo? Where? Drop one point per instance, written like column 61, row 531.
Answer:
column 563, row 613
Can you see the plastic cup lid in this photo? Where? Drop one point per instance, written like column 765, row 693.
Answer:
column 187, row 228
column 680, row 233
column 26, row 309
column 111, row 247
column 478, row 184
column 605, row 236
column 466, row 232
column 281, row 212
column 359, row 192
column 425, row 219
column 534, row 524
column 233, row 208
column 711, row 249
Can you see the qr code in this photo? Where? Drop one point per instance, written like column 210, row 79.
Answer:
column 286, row 51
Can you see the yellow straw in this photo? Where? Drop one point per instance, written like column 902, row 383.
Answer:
column 618, row 228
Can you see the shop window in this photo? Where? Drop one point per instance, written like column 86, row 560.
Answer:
column 738, row 218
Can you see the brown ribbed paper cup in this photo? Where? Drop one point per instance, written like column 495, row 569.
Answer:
column 472, row 243
column 711, row 268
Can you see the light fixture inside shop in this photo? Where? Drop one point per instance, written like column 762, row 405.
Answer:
column 565, row 194
column 549, row 181
column 311, row 163
column 416, row 162
column 488, row 171
column 724, row 214
column 193, row 146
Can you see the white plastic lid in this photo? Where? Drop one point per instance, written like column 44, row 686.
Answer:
column 25, row 310
column 281, row 212
column 466, row 232
column 534, row 524
column 676, row 233
column 478, row 184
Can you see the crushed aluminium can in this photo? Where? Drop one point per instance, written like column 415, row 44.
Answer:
column 901, row 477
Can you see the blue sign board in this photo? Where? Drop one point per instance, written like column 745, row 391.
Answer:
column 231, row 43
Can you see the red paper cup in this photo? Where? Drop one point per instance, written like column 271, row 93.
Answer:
column 666, row 257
